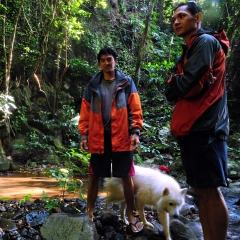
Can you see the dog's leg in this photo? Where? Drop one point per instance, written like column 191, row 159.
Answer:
column 164, row 220
column 140, row 209
column 123, row 212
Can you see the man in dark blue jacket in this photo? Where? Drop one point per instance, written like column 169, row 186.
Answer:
column 200, row 119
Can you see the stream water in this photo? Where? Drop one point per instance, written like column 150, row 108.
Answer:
column 16, row 185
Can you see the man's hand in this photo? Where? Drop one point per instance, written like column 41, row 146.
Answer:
column 84, row 145
column 135, row 141
column 211, row 79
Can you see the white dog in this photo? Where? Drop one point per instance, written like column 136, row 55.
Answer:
column 151, row 187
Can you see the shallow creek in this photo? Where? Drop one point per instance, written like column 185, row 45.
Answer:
column 16, row 185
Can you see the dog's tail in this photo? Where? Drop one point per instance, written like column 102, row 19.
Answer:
column 114, row 190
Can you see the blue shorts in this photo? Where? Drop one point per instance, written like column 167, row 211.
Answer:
column 116, row 164
column 204, row 160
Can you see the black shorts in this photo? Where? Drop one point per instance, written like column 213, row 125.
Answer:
column 204, row 159
column 116, row 164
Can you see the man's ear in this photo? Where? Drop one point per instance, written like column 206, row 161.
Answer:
column 198, row 17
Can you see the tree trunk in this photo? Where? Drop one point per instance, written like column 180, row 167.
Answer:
column 143, row 42
column 8, row 57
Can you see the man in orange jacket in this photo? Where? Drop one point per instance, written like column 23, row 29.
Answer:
column 109, row 125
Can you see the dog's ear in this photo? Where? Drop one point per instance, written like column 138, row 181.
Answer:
column 184, row 191
column 165, row 192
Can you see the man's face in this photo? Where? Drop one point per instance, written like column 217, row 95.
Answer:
column 184, row 24
column 107, row 63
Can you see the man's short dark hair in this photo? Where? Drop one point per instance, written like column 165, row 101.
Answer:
column 192, row 7
column 106, row 51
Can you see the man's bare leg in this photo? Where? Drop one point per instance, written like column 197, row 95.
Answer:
column 213, row 213
column 128, row 187
column 92, row 195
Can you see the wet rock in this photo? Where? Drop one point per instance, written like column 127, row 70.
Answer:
column 27, row 203
column 109, row 232
column 2, row 208
column 56, row 210
column 235, row 185
column 109, row 218
column 146, row 233
column 24, row 232
column 36, row 237
column 70, row 207
column 181, row 231
column 99, row 227
column 12, row 215
column 196, row 228
column 4, row 162
column 237, row 202
column 186, row 209
column 36, row 218
column 235, row 219
column 61, row 226
column 183, row 219
column 158, row 227
column 119, row 236
column 28, row 232
column 7, row 225
column 14, row 234
column 81, row 204
column 1, row 233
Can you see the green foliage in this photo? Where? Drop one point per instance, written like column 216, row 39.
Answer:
column 81, row 67
column 138, row 159
column 77, row 153
column 50, row 202
column 5, row 198
column 18, row 118
column 168, row 6
column 26, row 198
column 66, row 181
column 61, row 120
column 38, row 141
column 234, row 154
column 57, row 36
column 156, row 128
column 77, row 160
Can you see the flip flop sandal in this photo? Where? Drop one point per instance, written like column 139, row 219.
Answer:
column 135, row 227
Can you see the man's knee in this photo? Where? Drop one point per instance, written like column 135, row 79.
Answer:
column 127, row 179
column 207, row 194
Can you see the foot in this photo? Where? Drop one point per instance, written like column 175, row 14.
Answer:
column 90, row 215
column 136, row 227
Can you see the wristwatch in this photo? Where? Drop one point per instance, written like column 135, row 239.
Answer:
column 137, row 132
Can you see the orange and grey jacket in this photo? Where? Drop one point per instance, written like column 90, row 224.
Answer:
column 200, row 107
column 126, row 114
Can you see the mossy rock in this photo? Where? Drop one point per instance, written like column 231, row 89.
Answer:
column 53, row 159
column 13, row 166
column 4, row 164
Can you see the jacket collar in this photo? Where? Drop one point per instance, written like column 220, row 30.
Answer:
column 220, row 35
column 120, row 78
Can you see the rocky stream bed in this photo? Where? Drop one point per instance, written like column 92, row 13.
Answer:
column 31, row 220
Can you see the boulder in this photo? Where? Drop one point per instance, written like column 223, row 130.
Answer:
column 4, row 162
column 62, row 226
